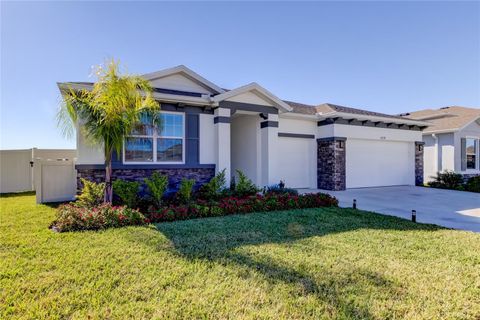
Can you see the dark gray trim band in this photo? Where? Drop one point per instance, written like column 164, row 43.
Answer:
column 234, row 106
column 419, row 143
column 221, row 119
column 184, row 108
column 332, row 139
column 368, row 123
column 296, row 135
column 265, row 124
column 145, row 166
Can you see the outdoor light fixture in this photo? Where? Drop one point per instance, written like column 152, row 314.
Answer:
column 31, row 164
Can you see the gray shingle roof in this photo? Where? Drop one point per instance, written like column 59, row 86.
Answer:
column 329, row 108
column 297, row 107
column 446, row 119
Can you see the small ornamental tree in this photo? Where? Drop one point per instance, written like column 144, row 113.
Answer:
column 107, row 112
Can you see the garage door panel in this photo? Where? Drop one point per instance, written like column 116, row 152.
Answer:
column 371, row 163
column 295, row 161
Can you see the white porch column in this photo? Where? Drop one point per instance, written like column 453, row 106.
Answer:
column 269, row 150
column 222, row 136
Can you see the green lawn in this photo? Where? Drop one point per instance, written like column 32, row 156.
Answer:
column 312, row 263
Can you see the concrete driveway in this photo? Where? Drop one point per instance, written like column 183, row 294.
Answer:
column 448, row 208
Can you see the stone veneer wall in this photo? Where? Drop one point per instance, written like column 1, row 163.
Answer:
column 331, row 164
column 175, row 176
column 419, row 163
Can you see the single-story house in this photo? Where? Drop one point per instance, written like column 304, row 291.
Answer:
column 207, row 129
column 452, row 141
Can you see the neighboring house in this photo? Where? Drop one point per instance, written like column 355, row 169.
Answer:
column 451, row 141
column 207, row 129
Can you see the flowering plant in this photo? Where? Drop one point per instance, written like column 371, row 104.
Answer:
column 71, row 217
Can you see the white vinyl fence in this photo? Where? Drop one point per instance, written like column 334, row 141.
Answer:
column 51, row 170
column 16, row 172
column 55, row 180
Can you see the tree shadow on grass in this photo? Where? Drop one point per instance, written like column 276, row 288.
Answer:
column 17, row 194
column 219, row 240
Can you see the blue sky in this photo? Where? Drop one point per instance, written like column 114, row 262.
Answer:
column 383, row 56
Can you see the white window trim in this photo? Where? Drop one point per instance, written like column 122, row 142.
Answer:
column 155, row 136
column 477, row 155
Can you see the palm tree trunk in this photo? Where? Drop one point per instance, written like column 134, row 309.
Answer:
column 108, row 178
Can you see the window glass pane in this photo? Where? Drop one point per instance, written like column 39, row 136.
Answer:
column 471, row 146
column 471, row 160
column 171, row 125
column 138, row 149
column 145, row 127
column 169, row 150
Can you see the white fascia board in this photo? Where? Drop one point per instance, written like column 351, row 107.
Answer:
column 183, row 69
column 427, row 132
column 264, row 93
column 469, row 123
column 373, row 118
column 75, row 86
column 195, row 101
column 300, row 116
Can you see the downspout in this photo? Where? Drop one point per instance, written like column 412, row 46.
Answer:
column 434, row 136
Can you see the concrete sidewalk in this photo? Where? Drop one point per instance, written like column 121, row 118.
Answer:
column 447, row 208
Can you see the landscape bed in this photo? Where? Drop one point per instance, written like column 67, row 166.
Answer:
column 297, row 264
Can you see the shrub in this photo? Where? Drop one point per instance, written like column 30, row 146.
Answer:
column 71, row 217
column 127, row 191
column 245, row 186
column 184, row 193
column 278, row 189
column 447, row 180
column 92, row 194
column 473, row 184
column 234, row 205
column 157, row 185
column 214, row 188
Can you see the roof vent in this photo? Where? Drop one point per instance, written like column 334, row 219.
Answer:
column 404, row 114
column 444, row 108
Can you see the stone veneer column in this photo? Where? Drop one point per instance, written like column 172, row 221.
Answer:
column 222, row 137
column 419, row 163
column 331, row 163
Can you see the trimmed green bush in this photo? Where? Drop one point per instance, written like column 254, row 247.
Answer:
column 244, row 186
column 473, row 184
column 157, row 185
column 278, row 189
column 447, row 180
column 213, row 189
column 127, row 191
column 92, row 194
column 184, row 193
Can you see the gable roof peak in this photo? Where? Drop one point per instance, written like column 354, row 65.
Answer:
column 189, row 73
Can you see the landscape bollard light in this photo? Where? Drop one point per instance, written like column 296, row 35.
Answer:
column 414, row 215
column 354, row 203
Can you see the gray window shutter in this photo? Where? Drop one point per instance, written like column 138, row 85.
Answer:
column 463, row 153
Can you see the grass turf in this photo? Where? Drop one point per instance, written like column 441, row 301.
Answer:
column 312, row 263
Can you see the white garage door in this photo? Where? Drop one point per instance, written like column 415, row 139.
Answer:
column 371, row 163
column 296, row 161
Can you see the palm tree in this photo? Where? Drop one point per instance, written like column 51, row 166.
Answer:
column 107, row 112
